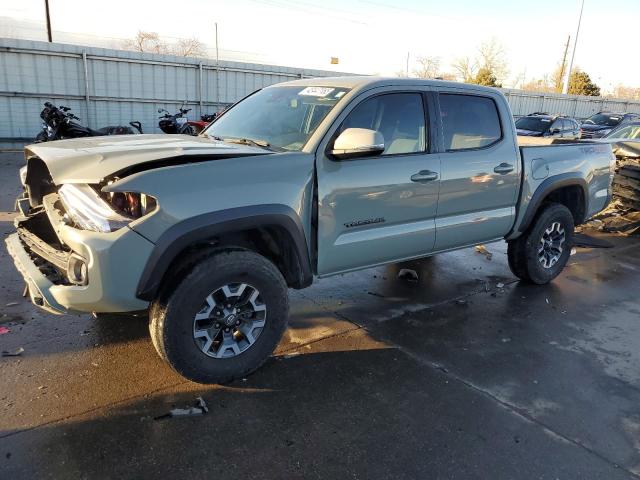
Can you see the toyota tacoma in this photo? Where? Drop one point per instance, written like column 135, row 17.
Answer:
column 303, row 179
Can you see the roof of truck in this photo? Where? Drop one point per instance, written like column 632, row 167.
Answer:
column 358, row 82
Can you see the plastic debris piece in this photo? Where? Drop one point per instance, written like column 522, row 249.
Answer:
column 202, row 404
column 408, row 275
column 481, row 249
column 13, row 353
column 199, row 408
column 500, row 285
column 11, row 304
column 4, row 330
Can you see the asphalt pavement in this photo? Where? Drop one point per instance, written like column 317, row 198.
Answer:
column 465, row 373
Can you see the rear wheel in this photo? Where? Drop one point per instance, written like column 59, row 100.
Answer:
column 541, row 253
column 223, row 320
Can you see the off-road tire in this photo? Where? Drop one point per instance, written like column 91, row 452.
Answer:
column 171, row 316
column 522, row 252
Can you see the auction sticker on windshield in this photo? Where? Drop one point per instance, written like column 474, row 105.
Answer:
column 316, row 91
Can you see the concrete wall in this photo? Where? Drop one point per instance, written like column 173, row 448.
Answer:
column 111, row 87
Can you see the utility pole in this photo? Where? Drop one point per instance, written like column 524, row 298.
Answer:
column 46, row 7
column 564, row 63
column 565, row 89
column 407, row 64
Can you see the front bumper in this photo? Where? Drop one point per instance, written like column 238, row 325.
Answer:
column 115, row 262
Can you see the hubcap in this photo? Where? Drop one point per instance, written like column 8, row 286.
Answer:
column 229, row 321
column 551, row 245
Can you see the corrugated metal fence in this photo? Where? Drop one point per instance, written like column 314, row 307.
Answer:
column 111, row 87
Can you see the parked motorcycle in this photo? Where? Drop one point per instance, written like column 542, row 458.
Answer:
column 177, row 122
column 58, row 124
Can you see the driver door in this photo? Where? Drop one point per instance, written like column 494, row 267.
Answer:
column 381, row 208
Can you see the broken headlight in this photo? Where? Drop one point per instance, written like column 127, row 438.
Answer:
column 90, row 211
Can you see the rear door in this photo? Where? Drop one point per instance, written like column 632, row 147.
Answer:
column 480, row 169
column 370, row 210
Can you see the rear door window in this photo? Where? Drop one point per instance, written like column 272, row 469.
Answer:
column 469, row 121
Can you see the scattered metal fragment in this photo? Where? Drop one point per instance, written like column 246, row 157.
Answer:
column 11, row 304
column 199, row 408
column 481, row 249
column 408, row 275
column 500, row 285
column 13, row 353
column 375, row 294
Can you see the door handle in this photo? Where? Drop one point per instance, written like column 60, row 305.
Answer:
column 424, row 176
column 503, row 168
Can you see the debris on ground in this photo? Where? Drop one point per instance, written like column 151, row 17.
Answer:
column 13, row 353
column 12, row 304
column 481, row 249
column 500, row 285
column 199, row 408
column 4, row 330
column 618, row 217
column 290, row 355
column 461, row 301
column 375, row 294
column 408, row 275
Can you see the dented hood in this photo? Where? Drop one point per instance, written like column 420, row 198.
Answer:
column 91, row 159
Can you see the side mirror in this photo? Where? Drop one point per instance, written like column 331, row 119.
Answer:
column 357, row 142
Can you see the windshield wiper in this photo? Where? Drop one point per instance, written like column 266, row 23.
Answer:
column 249, row 141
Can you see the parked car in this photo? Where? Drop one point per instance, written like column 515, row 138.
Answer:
column 625, row 140
column 546, row 125
column 601, row 123
column 313, row 177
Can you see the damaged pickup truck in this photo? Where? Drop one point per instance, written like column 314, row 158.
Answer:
column 301, row 179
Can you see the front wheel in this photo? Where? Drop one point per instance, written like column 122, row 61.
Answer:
column 541, row 253
column 223, row 320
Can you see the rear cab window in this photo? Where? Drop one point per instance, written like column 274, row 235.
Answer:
column 469, row 121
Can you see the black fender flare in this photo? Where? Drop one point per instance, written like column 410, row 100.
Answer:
column 207, row 226
column 548, row 186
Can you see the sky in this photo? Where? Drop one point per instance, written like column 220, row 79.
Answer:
column 368, row 36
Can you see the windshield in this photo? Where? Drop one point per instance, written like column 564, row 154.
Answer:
column 280, row 118
column 535, row 124
column 630, row 131
column 604, row 119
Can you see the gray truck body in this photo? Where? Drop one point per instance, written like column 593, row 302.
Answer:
column 327, row 216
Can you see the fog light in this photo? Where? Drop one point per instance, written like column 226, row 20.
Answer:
column 77, row 270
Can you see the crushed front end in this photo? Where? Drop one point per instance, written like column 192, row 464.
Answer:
column 73, row 245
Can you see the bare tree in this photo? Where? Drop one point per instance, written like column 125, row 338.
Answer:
column 152, row 43
column 465, row 68
column 146, row 42
column 428, row 67
column 491, row 56
column 631, row 93
column 188, row 47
